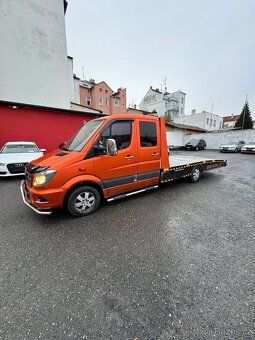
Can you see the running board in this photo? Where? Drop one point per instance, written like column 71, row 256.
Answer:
column 131, row 193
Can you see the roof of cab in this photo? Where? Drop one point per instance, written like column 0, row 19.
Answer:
column 129, row 116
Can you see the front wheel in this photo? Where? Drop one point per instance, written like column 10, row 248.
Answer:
column 196, row 148
column 195, row 175
column 83, row 201
column 236, row 150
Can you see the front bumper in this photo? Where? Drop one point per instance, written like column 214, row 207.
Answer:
column 248, row 151
column 26, row 201
column 4, row 172
column 225, row 150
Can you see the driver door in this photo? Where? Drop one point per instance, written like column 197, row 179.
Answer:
column 117, row 173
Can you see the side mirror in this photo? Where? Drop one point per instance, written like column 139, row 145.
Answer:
column 111, row 147
column 42, row 150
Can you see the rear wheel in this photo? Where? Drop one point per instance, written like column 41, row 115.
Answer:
column 236, row 150
column 83, row 201
column 195, row 175
column 196, row 148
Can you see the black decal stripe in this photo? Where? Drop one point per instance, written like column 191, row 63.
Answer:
column 147, row 175
column 109, row 183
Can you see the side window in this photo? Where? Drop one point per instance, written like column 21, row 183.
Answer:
column 148, row 134
column 120, row 131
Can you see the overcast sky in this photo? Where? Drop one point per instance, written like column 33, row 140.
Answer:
column 204, row 48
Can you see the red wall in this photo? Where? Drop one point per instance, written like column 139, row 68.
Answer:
column 44, row 127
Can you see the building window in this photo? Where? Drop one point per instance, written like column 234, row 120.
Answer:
column 101, row 102
column 88, row 101
column 207, row 121
column 214, row 123
column 106, row 91
column 100, row 90
column 210, row 122
column 106, row 102
column 182, row 100
column 116, row 102
column 165, row 104
column 220, row 125
column 148, row 134
column 181, row 111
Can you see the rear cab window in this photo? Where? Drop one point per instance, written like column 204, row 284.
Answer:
column 148, row 134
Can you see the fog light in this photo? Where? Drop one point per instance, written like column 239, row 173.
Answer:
column 42, row 199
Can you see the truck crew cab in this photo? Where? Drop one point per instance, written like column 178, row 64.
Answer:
column 109, row 158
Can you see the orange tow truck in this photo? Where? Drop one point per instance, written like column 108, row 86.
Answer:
column 109, row 158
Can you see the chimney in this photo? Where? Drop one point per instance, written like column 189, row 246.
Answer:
column 157, row 90
column 193, row 112
column 134, row 106
column 151, row 87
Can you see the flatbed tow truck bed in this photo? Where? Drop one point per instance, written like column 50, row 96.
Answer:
column 182, row 166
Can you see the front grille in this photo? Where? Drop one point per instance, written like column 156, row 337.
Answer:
column 27, row 176
column 16, row 168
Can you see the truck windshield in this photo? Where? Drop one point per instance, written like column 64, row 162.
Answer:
column 83, row 135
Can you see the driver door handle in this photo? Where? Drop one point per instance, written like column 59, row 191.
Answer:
column 129, row 157
column 155, row 154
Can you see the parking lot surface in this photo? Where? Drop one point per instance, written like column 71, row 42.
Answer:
column 175, row 263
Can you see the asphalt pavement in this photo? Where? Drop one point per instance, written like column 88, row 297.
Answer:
column 174, row 263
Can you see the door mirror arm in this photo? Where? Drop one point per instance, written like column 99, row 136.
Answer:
column 100, row 150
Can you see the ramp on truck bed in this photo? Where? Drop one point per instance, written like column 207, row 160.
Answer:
column 182, row 166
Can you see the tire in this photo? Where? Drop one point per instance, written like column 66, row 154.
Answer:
column 236, row 150
column 195, row 174
column 196, row 148
column 83, row 201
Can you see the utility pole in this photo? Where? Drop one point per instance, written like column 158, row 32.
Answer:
column 244, row 111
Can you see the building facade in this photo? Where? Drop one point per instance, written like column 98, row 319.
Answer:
column 176, row 133
column 204, row 120
column 33, row 59
column 230, row 121
column 46, row 126
column 101, row 97
column 164, row 103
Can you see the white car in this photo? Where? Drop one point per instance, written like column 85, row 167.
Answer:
column 15, row 155
column 232, row 146
column 248, row 148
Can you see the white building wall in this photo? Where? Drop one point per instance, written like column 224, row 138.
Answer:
column 204, row 120
column 153, row 100
column 33, row 59
column 215, row 139
column 162, row 103
column 175, row 137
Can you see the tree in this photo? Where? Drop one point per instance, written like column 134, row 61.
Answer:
column 168, row 117
column 245, row 120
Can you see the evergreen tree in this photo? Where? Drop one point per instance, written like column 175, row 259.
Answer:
column 245, row 120
column 168, row 117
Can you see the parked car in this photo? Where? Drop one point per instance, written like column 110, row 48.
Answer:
column 15, row 155
column 248, row 148
column 195, row 144
column 232, row 146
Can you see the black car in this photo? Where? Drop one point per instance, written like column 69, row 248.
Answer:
column 195, row 144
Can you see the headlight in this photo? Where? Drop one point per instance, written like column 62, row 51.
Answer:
column 2, row 164
column 43, row 177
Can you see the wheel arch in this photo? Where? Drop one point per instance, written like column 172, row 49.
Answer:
column 80, row 184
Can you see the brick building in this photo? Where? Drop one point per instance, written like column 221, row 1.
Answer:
column 101, row 97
